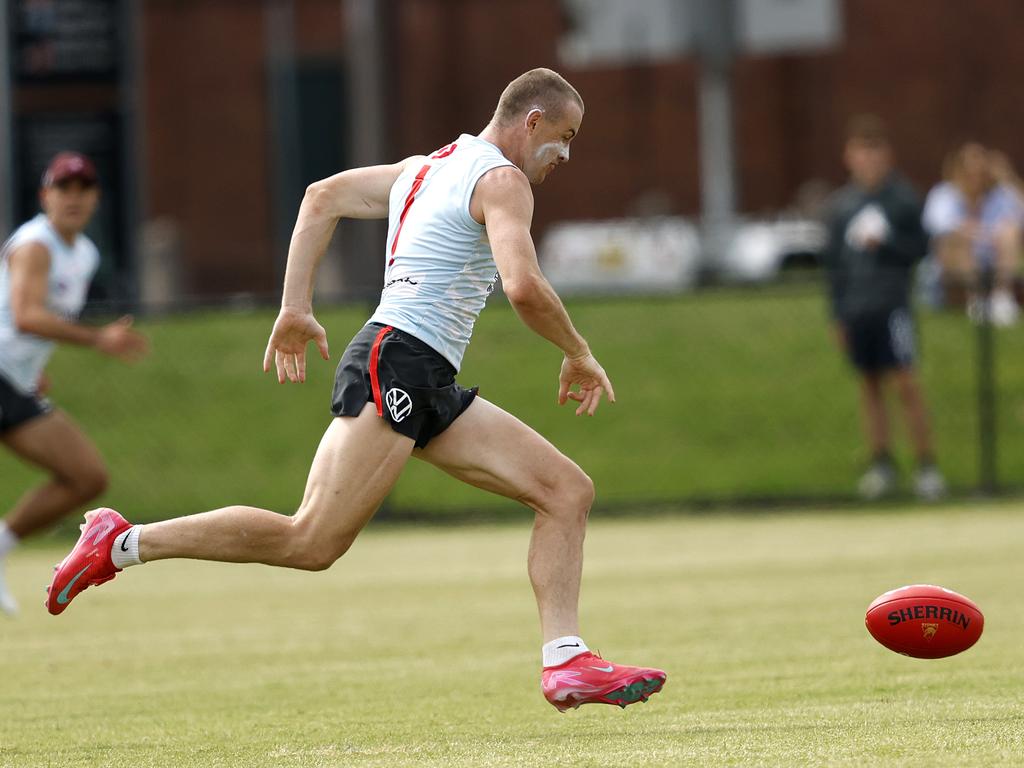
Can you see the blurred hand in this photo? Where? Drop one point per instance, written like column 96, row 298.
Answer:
column 868, row 229
column 117, row 339
column 592, row 380
column 293, row 330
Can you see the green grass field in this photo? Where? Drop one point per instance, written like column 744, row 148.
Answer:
column 420, row 648
column 722, row 395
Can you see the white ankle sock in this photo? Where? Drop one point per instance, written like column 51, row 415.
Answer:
column 561, row 649
column 125, row 550
column 8, row 539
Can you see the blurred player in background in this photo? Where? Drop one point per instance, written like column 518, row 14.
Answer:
column 975, row 218
column 45, row 270
column 875, row 239
column 458, row 218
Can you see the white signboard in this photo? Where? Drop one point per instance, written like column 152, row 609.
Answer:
column 609, row 32
column 614, row 31
column 779, row 26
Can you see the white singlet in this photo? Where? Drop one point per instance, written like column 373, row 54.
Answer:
column 22, row 355
column 439, row 269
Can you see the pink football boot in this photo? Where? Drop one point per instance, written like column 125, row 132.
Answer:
column 89, row 563
column 589, row 679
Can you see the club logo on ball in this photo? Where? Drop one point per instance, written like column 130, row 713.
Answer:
column 929, row 630
column 399, row 403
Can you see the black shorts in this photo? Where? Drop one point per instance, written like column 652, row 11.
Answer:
column 881, row 342
column 17, row 408
column 412, row 386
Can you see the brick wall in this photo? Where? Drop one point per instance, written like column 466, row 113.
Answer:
column 939, row 71
column 206, row 139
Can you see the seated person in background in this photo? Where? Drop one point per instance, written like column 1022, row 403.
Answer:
column 874, row 242
column 975, row 220
column 1005, row 174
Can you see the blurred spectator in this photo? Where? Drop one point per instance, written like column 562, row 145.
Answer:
column 975, row 218
column 874, row 242
column 45, row 270
column 1005, row 174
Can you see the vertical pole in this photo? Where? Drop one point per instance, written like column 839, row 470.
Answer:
column 6, row 124
column 366, row 79
column 364, row 24
column 132, row 150
column 714, row 25
column 284, row 119
column 988, row 482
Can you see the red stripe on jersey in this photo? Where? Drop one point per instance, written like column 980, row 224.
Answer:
column 416, row 184
column 443, row 152
column 374, row 380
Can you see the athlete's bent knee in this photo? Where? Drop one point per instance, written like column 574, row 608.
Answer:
column 581, row 495
column 311, row 551
column 314, row 561
column 572, row 496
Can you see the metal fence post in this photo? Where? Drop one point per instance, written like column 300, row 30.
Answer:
column 987, row 456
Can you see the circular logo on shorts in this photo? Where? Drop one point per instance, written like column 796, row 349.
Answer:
column 399, row 403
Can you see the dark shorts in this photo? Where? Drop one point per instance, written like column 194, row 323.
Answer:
column 411, row 385
column 17, row 408
column 881, row 342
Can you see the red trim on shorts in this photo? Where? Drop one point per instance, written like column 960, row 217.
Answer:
column 374, row 380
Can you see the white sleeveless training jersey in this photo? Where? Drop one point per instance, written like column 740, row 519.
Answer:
column 22, row 355
column 439, row 269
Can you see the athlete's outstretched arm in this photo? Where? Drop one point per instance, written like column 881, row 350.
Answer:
column 29, row 270
column 504, row 198
column 359, row 193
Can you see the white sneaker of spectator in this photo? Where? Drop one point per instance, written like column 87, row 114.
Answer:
column 877, row 482
column 978, row 310
column 1003, row 309
column 929, row 484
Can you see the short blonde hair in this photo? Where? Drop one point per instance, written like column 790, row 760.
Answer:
column 541, row 87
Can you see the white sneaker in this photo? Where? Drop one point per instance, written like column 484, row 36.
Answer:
column 7, row 602
column 978, row 310
column 1003, row 309
column 878, row 481
column 929, row 484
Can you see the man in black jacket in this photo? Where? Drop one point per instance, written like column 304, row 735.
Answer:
column 875, row 240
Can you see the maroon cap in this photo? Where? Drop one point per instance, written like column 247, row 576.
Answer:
column 70, row 165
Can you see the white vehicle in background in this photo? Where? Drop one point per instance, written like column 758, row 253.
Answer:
column 759, row 251
column 666, row 254
column 643, row 255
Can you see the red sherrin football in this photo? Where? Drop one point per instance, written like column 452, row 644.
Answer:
column 924, row 621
